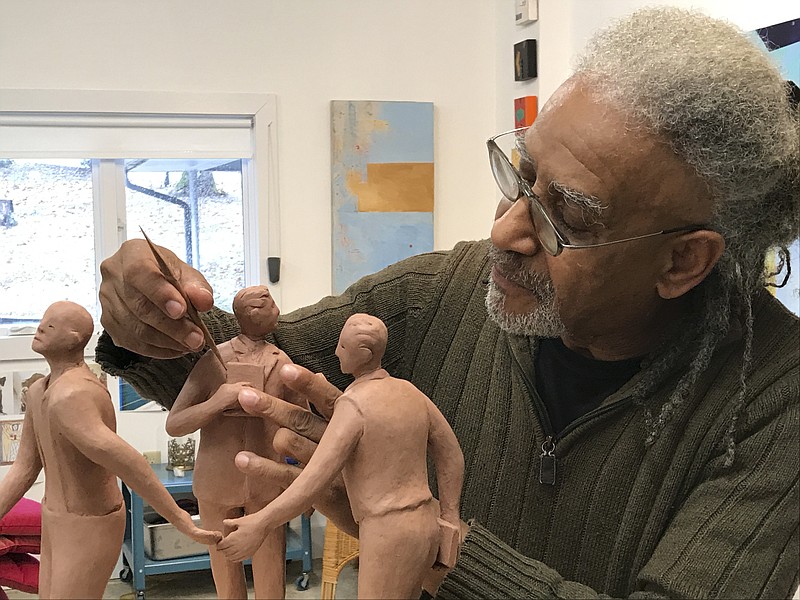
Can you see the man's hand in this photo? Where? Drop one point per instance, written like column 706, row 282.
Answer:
column 143, row 312
column 186, row 525
column 300, row 431
column 243, row 537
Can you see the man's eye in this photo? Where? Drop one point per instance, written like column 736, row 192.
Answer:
column 569, row 223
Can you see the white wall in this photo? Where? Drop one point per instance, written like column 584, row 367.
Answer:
column 564, row 26
column 308, row 53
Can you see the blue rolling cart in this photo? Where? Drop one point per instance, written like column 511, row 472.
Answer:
column 137, row 565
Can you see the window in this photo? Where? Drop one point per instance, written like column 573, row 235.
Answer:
column 80, row 172
column 194, row 208
column 46, row 236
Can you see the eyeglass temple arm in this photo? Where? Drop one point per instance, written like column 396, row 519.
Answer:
column 687, row 228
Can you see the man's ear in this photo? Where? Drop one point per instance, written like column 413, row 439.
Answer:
column 692, row 257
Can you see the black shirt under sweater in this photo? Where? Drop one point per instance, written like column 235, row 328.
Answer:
column 570, row 384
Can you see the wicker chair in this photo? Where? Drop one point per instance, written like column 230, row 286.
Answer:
column 339, row 549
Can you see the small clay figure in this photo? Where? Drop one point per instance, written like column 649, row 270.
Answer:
column 70, row 430
column 208, row 402
column 377, row 437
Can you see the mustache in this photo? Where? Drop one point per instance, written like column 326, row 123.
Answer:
column 512, row 267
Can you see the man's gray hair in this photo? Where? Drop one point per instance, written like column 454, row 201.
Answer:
column 718, row 100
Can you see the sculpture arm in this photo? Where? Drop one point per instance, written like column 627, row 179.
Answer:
column 23, row 473
column 198, row 402
column 448, row 460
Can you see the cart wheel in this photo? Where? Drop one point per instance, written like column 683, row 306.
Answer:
column 301, row 583
column 140, row 595
column 126, row 574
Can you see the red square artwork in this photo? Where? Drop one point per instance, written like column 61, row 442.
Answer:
column 525, row 110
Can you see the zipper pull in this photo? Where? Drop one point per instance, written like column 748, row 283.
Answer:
column 547, row 462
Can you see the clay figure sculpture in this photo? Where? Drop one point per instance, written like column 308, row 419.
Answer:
column 70, row 431
column 208, row 402
column 377, row 438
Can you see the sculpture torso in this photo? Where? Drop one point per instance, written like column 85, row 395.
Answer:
column 73, row 483
column 388, row 468
column 216, row 478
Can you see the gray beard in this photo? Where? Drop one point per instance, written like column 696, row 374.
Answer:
column 544, row 321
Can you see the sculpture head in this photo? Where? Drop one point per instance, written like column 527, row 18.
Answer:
column 362, row 344
column 255, row 311
column 63, row 332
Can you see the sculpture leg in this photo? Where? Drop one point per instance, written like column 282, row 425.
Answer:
column 45, row 558
column 82, row 553
column 269, row 566
column 228, row 576
column 269, row 561
column 395, row 552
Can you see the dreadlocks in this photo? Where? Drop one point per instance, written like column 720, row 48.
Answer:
column 724, row 108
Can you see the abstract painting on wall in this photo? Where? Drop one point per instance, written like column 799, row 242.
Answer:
column 381, row 185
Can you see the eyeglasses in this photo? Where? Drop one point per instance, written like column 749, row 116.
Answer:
column 513, row 187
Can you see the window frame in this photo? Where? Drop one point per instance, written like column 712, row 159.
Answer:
column 260, row 189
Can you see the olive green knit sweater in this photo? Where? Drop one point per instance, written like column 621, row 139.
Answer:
column 619, row 519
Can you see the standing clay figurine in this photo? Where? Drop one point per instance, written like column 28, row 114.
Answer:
column 208, row 402
column 70, row 430
column 377, row 437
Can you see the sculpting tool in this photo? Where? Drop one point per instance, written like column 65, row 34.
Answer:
column 191, row 311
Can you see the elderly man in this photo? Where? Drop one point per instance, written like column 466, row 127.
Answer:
column 626, row 392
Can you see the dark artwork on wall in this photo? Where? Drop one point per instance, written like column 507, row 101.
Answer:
column 525, row 60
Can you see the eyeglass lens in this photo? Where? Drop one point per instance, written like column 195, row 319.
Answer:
column 544, row 229
column 504, row 174
column 508, row 182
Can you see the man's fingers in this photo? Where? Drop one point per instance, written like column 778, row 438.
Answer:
column 283, row 413
column 289, row 443
column 264, row 468
column 142, row 338
column 201, row 296
column 141, row 272
column 157, row 315
column 145, row 313
column 315, row 387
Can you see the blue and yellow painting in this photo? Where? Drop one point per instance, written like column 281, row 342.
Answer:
column 381, row 185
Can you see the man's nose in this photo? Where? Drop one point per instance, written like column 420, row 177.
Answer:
column 513, row 230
